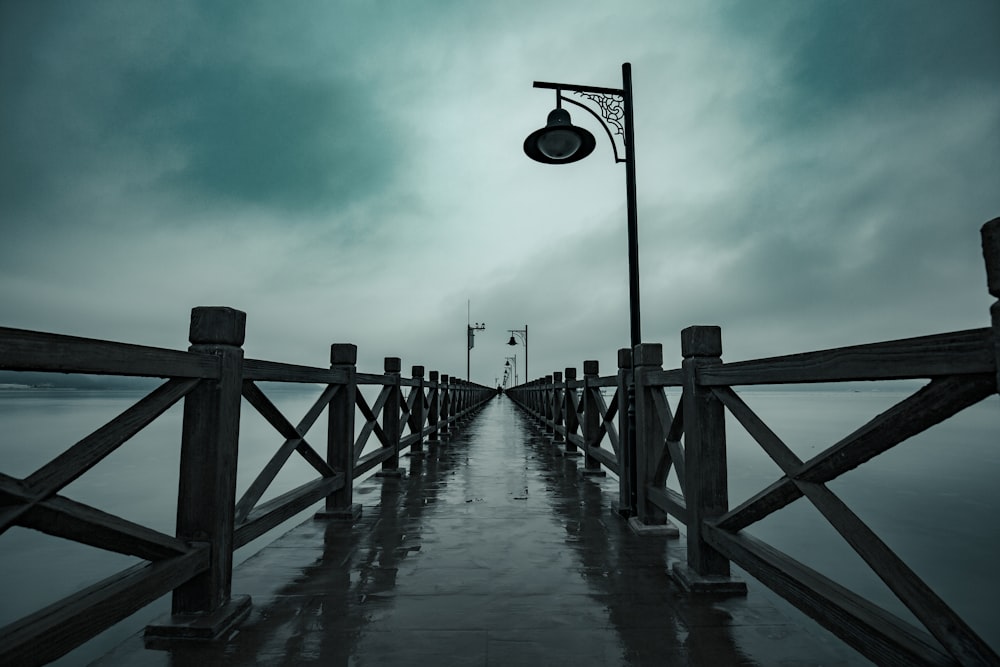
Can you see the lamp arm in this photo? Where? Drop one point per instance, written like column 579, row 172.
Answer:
column 611, row 101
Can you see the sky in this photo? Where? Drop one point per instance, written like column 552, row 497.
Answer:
column 810, row 174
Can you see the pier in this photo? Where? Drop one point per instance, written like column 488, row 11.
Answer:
column 492, row 549
column 536, row 527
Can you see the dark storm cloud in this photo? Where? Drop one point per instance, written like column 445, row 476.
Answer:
column 189, row 114
column 811, row 174
column 838, row 53
column 256, row 137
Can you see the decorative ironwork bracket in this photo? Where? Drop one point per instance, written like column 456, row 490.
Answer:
column 607, row 105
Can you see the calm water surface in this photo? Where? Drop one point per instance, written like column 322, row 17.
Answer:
column 932, row 499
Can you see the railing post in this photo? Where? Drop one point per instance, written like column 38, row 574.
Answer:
column 556, row 408
column 204, row 606
column 340, row 434
column 569, row 418
column 650, row 441
column 445, row 404
column 433, row 406
column 990, row 234
column 547, row 405
column 390, row 418
column 592, row 420
column 416, row 419
column 626, row 504
column 706, row 493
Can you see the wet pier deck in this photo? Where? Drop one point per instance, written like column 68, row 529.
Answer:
column 491, row 551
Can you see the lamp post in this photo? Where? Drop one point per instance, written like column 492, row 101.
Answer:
column 511, row 366
column 521, row 334
column 561, row 142
column 471, row 330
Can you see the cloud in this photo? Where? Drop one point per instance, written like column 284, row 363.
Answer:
column 808, row 175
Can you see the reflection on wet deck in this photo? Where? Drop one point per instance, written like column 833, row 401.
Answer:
column 492, row 551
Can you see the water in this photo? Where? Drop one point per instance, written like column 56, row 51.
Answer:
column 932, row 499
column 137, row 482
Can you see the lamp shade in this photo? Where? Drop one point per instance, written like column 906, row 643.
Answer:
column 559, row 142
column 512, row 341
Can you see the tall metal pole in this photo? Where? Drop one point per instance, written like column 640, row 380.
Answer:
column 526, row 376
column 633, row 234
column 633, row 283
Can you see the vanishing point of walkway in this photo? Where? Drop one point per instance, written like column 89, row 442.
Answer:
column 491, row 551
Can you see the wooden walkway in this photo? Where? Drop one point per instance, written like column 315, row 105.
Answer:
column 492, row 551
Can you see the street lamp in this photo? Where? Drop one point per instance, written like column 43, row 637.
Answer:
column 472, row 329
column 561, row 142
column 511, row 366
column 521, row 334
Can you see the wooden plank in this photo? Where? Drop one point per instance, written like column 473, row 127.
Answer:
column 371, row 423
column 267, row 515
column 85, row 454
column 758, row 430
column 777, row 495
column 57, row 629
column 370, row 378
column 940, row 620
column 939, row 400
column 607, row 459
column 874, row 632
column 263, row 480
column 960, row 352
column 669, row 501
column 608, row 414
column 931, row 405
column 318, row 408
column 68, row 519
column 270, row 412
column 670, row 378
column 22, row 350
column 674, row 436
column 277, row 461
column 372, row 459
column 257, row 370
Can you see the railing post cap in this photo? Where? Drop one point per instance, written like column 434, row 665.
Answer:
column 418, row 371
column 557, row 376
column 393, row 364
column 344, row 354
column 548, row 379
column 990, row 233
column 570, row 373
column 624, row 358
column 445, row 377
column 217, row 325
column 648, row 354
column 433, row 376
column 591, row 367
column 701, row 341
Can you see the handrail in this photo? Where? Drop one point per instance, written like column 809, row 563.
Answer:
column 962, row 368
column 213, row 379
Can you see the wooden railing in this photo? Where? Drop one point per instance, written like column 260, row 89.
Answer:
column 212, row 377
column 962, row 368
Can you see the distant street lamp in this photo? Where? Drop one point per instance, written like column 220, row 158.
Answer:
column 511, row 367
column 521, row 334
column 561, row 142
column 472, row 329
